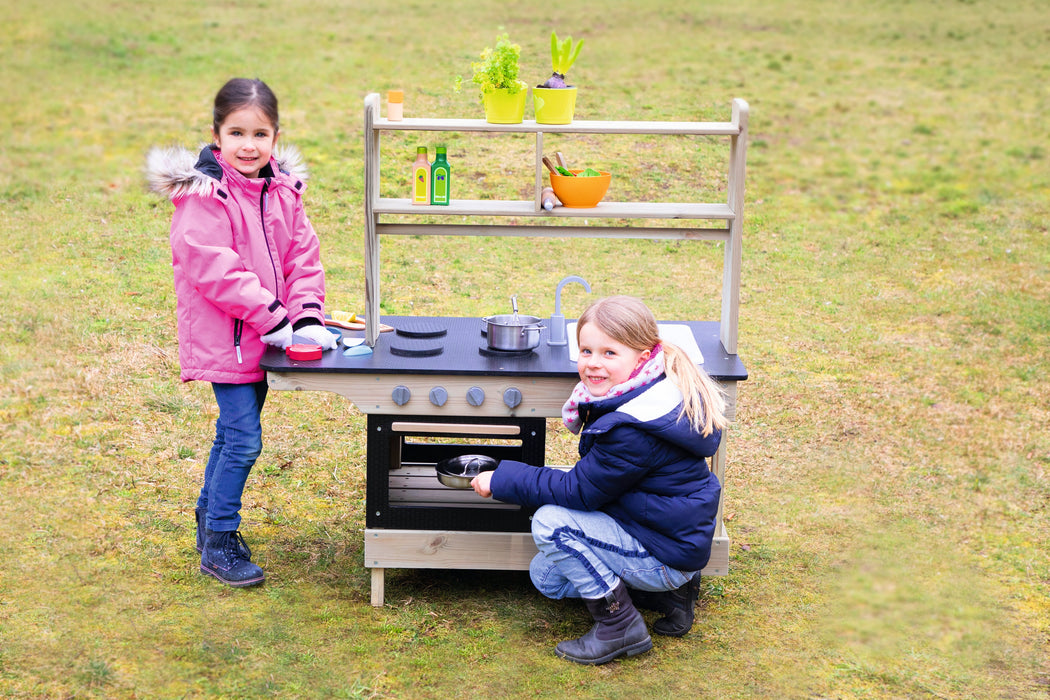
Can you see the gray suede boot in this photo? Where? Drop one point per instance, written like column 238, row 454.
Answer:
column 619, row 630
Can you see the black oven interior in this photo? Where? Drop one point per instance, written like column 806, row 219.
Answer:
column 403, row 491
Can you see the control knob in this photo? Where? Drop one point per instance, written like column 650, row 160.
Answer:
column 401, row 394
column 475, row 396
column 512, row 397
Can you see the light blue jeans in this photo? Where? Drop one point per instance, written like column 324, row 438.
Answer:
column 585, row 554
column 238, row 443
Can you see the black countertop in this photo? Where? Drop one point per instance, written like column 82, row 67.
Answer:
column 461, row 352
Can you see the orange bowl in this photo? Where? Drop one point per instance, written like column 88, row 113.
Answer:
column 580, row 192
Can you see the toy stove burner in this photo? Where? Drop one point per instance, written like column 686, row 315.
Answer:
column 416, row 347
column 418, row 339
column 421, row 329
column 493, row 352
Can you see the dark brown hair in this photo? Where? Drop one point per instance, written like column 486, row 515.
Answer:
column 239, row 93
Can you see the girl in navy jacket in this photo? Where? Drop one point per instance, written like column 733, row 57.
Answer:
column 638, row 510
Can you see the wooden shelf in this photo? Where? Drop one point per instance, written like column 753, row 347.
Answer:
column 451, row 549
column 604, row 210
column 727, row 215
column 577, row 127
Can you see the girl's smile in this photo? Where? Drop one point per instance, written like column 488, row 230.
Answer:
column 246, row 140
column 603, row 362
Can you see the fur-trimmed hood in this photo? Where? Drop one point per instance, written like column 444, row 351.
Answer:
column 245, row 258
column 176, row 172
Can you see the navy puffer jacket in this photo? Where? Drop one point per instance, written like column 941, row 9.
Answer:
column 640, row 464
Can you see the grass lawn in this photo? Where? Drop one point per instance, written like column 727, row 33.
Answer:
column 887, row 491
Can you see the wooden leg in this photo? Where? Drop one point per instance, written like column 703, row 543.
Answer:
column 378, row 579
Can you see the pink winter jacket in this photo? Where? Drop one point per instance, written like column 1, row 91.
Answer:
column 245, row 256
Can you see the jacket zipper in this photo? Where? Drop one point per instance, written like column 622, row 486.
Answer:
column 262, row 216
column 238, row 326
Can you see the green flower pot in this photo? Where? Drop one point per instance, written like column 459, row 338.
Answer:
column 501, row 107
column 554, row 105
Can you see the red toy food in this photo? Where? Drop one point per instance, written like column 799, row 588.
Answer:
column 304, row 351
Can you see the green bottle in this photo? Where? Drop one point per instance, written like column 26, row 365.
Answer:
column 440, row 179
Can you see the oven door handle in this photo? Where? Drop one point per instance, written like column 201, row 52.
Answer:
column 471, row 429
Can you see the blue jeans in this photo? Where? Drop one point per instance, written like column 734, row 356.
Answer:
column 238, row 443
column 586, row 554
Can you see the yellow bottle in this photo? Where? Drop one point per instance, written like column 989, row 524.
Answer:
column 421, row 177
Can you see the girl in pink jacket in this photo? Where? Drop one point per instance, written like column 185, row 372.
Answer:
column 247, row 274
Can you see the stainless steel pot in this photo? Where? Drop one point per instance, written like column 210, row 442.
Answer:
column 458, row 472
column 512, row 331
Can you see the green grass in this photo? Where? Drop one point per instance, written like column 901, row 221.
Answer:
column 888, row 484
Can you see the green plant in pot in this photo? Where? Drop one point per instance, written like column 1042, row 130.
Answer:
column 502, row 92
column 554, row 100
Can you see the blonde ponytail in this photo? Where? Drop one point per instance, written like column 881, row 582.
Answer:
column 703, row 401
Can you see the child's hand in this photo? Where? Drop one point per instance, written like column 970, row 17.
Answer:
column 480, row 484
column 281, row 337
column 319, row 335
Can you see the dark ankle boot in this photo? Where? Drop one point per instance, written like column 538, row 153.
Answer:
column 618, row 630
column 202, row 523
column 226, row 557
column 202, row 529
column 677, row 607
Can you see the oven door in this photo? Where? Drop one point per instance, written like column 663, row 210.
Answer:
column 403, row 491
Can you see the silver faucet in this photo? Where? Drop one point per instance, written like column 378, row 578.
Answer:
column 557, row 335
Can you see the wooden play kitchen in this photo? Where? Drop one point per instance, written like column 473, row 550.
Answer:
column 433, row 388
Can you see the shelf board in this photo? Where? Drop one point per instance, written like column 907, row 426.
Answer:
column 605, row 210
column 529, row 126
column 588, row 230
